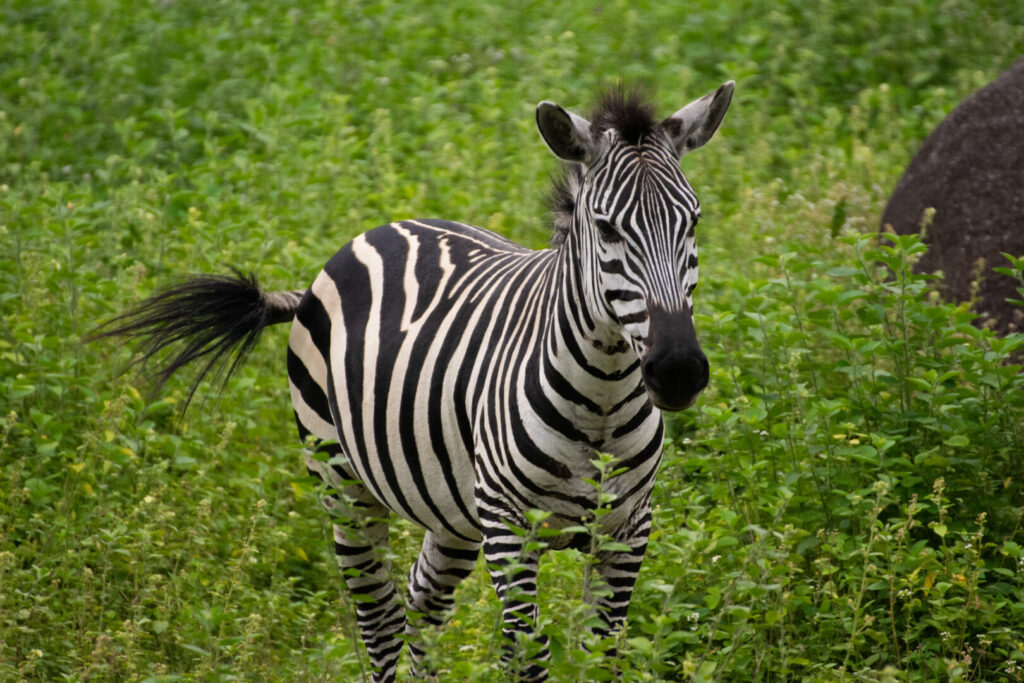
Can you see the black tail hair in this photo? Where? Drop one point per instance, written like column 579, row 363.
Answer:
column 213, row 317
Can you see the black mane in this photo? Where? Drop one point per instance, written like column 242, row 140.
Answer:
column 631, row 114
column 561, row 201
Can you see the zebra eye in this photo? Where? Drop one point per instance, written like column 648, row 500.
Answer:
column 607, row 230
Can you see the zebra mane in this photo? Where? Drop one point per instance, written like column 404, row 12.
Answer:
column 631, row 114
column 562, row 201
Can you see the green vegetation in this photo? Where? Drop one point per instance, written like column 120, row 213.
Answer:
column 844, row 503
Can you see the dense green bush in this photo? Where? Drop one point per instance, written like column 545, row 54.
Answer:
column 844, row 503
column 861, row 464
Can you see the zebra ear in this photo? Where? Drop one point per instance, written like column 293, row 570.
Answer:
column 694, row 124
column 565, row 134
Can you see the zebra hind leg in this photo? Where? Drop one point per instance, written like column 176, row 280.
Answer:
column 360, row 545
column 444, row 561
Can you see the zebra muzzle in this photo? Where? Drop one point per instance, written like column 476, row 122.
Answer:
column 674, row 369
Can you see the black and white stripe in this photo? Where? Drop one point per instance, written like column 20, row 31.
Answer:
column 458, row 380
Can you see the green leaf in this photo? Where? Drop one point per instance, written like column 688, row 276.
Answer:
column 614, row 547
column 726, row 542
column 642, row 645
column 713, row 597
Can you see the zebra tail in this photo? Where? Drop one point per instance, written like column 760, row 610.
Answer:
column 215, row 318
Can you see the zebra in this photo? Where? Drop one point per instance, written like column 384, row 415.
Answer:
column 447, row 375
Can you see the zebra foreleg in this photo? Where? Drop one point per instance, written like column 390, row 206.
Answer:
column 444, row 561
column 617, row 572
column 512, row 560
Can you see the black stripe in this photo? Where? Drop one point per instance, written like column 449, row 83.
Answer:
column 638, row 419
column 310, row 391
column 546, row 411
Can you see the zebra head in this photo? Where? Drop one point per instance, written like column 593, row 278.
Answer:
column 631, row 216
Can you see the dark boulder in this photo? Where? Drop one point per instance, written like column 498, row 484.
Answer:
column 971, row 171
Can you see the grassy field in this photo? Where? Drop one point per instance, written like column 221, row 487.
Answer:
column 844, row 503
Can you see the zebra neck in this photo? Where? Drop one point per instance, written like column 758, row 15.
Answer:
column 583, row 356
